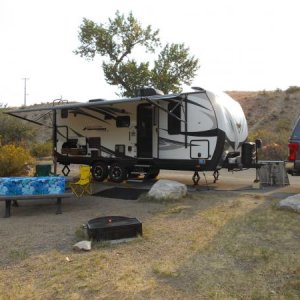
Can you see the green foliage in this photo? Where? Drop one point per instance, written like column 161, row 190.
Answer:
column 173, row 68
column 292, row 89
column 129, row 76
column 15, row 131
column 13, row 160
column 41, row 149
column 116, row 41
column 274, row 142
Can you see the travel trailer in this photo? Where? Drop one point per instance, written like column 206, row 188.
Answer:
column 197, row 131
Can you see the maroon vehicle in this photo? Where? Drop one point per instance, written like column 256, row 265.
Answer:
column 293, row 164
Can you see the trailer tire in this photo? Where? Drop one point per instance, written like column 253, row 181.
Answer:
column 153, row 172
column 99, row 171
column 117, row 173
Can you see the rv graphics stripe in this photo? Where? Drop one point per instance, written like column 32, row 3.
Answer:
column 80, row 112
column 69, row 128
column 207, row 133
column 62, row 135
column 167, row 144
column 102, row 112
column 76, row 132
column 188, row 101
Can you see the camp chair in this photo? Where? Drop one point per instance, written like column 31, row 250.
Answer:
column 43, row 170
column 83, row 185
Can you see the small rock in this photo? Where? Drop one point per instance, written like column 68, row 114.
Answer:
column 292, row 202
column 83, row 245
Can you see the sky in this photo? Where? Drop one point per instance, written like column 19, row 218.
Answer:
column 245, row 45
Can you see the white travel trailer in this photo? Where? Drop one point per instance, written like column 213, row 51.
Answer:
column 197, row 131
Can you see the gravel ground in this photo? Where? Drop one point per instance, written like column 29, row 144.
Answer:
column 34, row 227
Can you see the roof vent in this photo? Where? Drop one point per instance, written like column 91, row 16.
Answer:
column 148, row 91
column 96, row 100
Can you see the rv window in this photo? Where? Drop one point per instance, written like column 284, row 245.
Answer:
column 174, row 124
column 123, row 121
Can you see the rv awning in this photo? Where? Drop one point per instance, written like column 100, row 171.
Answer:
column 43, row 115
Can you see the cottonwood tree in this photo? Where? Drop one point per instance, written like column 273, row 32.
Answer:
column 116, row 41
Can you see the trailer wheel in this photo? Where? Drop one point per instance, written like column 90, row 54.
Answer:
column 153, row 172
column 99, row 171
column 117, row 173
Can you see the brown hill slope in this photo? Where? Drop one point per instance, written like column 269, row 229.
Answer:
column 271, row 116
column 269, row 110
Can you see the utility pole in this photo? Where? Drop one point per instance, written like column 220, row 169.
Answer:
column 25, row 92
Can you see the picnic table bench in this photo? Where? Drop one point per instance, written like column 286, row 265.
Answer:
column 9, row 198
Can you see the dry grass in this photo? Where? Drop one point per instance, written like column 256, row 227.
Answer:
column 270, row 116
column 209, row 246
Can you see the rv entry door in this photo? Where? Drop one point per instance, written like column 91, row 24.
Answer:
column 144, row 130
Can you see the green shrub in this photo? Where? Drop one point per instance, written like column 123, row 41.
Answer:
column 41, row 149
column 274, row 142
column 15, row 131
column 293, row 89
column 13, row 160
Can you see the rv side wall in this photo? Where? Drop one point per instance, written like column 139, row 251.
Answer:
column 192, row 140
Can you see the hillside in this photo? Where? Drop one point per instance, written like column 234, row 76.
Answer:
column 271, row 116
column 269, row 110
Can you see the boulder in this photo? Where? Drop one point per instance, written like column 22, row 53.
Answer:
column 168, row 189
column 292, row 202
column 83, row 245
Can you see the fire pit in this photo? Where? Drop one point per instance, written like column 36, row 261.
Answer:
column 113, row 228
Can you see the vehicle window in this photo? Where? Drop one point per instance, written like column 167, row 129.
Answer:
column 296, row 131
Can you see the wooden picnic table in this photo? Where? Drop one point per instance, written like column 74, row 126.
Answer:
column 8, row 200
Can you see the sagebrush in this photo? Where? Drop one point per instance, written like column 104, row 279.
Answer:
column 41, row 149
column 13, row 160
